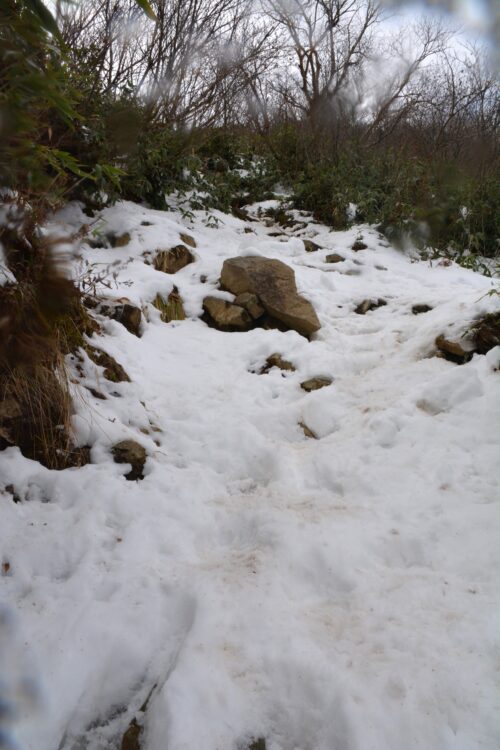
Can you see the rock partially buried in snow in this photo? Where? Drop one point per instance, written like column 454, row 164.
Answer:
column 118, row 240
column 334, row 258
column 359, row 245
column 251, row 304
column 314, row 384
column 274, row 283
column 226, row 316
column 133, row 453
column 276, row 360
column 369, row 304
column 125, row 313
column 307, row 431
column 188, row 240
column 311, row 247
column 171, row 261
column 113, row 371
column 419, row 309
column 455, row 351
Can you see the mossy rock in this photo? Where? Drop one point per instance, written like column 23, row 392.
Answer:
column 172, row 308
column 113, row 371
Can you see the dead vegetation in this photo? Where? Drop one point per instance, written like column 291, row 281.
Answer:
column 41, row 320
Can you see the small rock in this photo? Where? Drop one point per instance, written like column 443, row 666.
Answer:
column 307, row 431
column 248, row 230
column 358, row 245
column 251, row 303
column 369, row 304
column 133, row 453
column 118, row 240
column 128, row 315
column 146, row 223
column 171, row 261
column 226, row 316
column 334, row 258
column 419, row 309
column 310, row 246
column 188, row 240
column 453, row 350
column 314, row 384
column 276, row 360
column 112, row 370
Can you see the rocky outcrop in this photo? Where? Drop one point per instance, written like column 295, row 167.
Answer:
column 226, row 316
column 314, row 384
column 274, row 284
column 171, row 261
column 133, row 453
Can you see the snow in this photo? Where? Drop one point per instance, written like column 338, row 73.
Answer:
column 330, row 594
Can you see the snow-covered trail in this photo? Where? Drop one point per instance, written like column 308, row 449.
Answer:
column 330, row 594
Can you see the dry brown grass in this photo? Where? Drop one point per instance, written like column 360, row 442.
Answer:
column 35, row 400
column 172, row 308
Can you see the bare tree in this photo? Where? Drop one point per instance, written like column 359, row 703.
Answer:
column 328, row 40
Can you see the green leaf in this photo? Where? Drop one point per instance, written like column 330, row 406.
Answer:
column 44, row 15
column 146, row 7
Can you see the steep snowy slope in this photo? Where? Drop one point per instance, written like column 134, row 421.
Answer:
column 322, row 594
